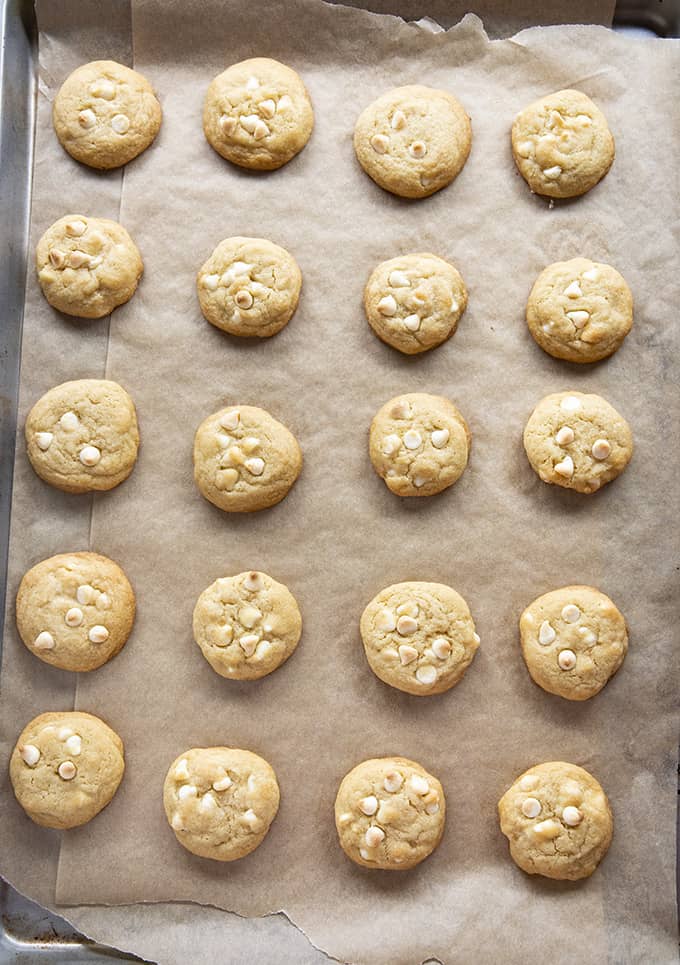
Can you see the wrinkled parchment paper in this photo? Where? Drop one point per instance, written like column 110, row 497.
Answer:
column 499, row 536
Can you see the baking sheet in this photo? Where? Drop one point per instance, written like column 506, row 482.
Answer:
column 498, row 536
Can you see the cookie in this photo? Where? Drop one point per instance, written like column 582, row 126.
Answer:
column 419, row 637
column 249, row 287
column 247, row 625
column 415, row 302
column 220, row 802
column 244, row 460
column 562, row 145
column 580, row 310
column 82, row 436
column 65, row 768
column 573, row 640
column 87, row 266
column 106, row 114
column 75, row 610
column 577, row 441
column 557, row 820
column 389, row 813
column 258, row 114
column 413, row 140
column 419, row 444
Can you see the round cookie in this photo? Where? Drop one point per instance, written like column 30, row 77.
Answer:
column 258, row 114
column 577, row 441
column 419, row 637
column 106, row 114
column 562, row 145
column 414, row 302
column 413, row 140
column 389, row 813
column 220, row 802
column 65, row 768
column 87, row 266
column 82, row 436
column 244, row 460
column 75, row 610
column 580, row 310
column 249, row 287
column 419, row 444
column 573, row 640
column 557, row 820
column 247, row 625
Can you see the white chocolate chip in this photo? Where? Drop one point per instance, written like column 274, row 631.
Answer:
column 98, row 634
column 566, row 467
column 248, row 642
column 67, row 770
column 87, row 119
column 387, row 306
column 64, row 733
column 547, row 829
column 250, row 443
column 432, row 807
column 252, row 83
column 261, row 130
column 417, row 149
column 57, row 258
column 244, row 299
column 177, row 822
column 251, row 819
column 579, row 318
column 248, row 122
column 406, row 626
column 44, row 641
column 254, row 582
column 398, row 120
column 565, row 436
column 385, row 621
column 74, row 745
column 78, row 259
column 409, row 609
column 104, row 89
column 252, row 784
column 531, row 808
column 207, row 802
column 374, row 836
column 419, row 784
column 407, row 654
column 187, row 791
column 365, row 854
column 86, row 594
column 398, row 279
column 369, row 805
column 477, row 638
column 573, row 290
column 120, row 123
column 267, row 108
column 74, row 617
column 546, row 634
column 426, row 675
column 601, row 449
column 412, row 322
column 419, row 481
column 571, row 816
column 210, row 282
column 249, row 616
column 30, row 754
column 525, row 149
column 222, row 783
column 345, row 818
column 566, row 659
column 227, row 124
column 584, row 120
column 224, row 635
column 44, row 440
column 413, row 439
column 589, row 638
column 439, row 438
column 255, row 466
column 285, row 103
column 402, row 410
column 69, row 421
column 591, row 275
column 441, row 648
column 393, row 781
column 230, row 420
column 571, row 613
column 380, row 143
column 552, row 173
column 528, row 782
column 182, row 770
column 391, row 444
column 570, row 403
column 89, row 455
column 76, row 228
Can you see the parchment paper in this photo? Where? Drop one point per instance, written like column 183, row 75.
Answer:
column 499, row 536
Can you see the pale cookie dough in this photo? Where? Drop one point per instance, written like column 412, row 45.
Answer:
column 419, row 444
column 75, row 610
column 258, row 114
column 415, row 302
column 577, row 441
column 573, row 640
column 83, row 436
column 249, row 286
column 247, row 625
column 220, row 802
column 65, row 768
column 87, row 266
column 419, row 637
column 106, row 114
column 389, row 813
column 580, row 310
column 244, row 460
column 562, row 145
column 413, row 140
column 557, row 820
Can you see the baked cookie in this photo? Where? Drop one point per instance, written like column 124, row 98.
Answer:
column 258, row 114
column 75, row 610
column 580, row 310
column 249, row 286
column 413, row 140
column 87, row 266
column 82, row 436
column 389, row 813
column 419, row 637
column 244, row 460
column 562, row 145
column 557, row 820
column 419, row 444
column 65, row 768
column 247, row 625
column 220, row 802
column 415, row 302
column 106, row 114
column 577, row 441
column 573, row 640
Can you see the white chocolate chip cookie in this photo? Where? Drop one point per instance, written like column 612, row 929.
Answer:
column 65, row 768
column 419, row 637
column 106, row 114
column 557, row 820
column 413, row 140
column 580, row 310
column 414, row 302
column 87, row 266
column 249, row 287
column 82, row 436
column 562, row 145
column 258, row 114
column 419, row 444
column 389, row 813
column 244, row 459
column 577, row 441
column 220, row 802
